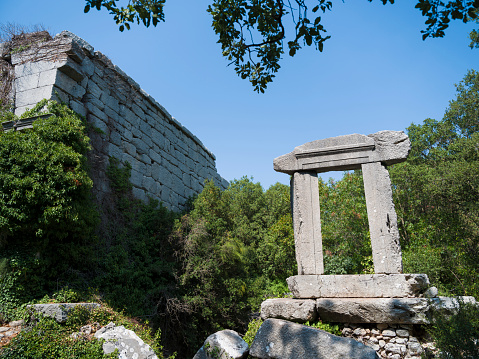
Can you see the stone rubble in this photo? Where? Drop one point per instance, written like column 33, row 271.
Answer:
column 10, row 331
column 391, row 341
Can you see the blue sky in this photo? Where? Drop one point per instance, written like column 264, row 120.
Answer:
column 375, row 73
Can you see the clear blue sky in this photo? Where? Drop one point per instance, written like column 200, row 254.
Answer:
column 375, row 74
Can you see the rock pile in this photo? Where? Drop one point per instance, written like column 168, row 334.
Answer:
column 390, row 341
column 9, row 331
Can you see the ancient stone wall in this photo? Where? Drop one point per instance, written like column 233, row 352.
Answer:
column 168, row 162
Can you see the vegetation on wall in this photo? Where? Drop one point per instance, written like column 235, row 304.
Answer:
column 46, row 215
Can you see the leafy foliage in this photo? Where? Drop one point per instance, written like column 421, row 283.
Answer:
column 436, row 195
column 222, row 248
column 344, row 226
column 327, row 327
column 46, row 214
column 252, row 32
column 44, row 185
column 456, row 334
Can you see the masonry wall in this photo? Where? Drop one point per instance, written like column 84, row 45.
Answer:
column 168, row 162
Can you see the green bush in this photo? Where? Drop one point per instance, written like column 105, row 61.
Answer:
column 456, row 335
column 44, row 338
column 47, row 218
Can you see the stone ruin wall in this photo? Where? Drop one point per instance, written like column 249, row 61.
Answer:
column 168, row 162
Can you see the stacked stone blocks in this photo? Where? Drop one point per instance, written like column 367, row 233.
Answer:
column 392, row 300
column 168, row 162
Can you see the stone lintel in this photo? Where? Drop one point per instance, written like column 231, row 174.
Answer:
column 345, row 152
column 294, row 310
column 358, row 285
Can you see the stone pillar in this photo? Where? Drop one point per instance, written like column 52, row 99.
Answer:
column 307, row 222
column 382, row 219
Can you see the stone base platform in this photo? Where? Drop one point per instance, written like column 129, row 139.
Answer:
column 359, row 310
column 358, row 285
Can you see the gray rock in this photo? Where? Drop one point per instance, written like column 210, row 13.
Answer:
column 307, row 222
column 382, row 218
column 60, row 311
column 358, row 286
column 431, row 292
column 129, row 345
column 226, row 344
column 373, row 310
column 85, row 45
column 403, row 333
column 16, row 323
column 450, row 305
column 296, row 310
column 278, row 338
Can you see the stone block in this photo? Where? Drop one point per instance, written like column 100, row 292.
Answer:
column 345, row 152
column 382, row 217
column 129, row 148
column 140, row 146
column 450, row 305
column 78, row 107
column 136, row 178
column 30, row 68
column 27, row 82
column 278, row 338
column 295, row 310
column 94, row 90
column 60, row 311
column 72, row 69
column 358, row 286
column 88, row 66
column 114, row 151
column 155, row 156
column 69, row 85
column 31, row 97
column 307, row 222
column 98, row 123
column 386, row 310
column 149, row 184
column 140, row 194
column 391, row 146
column 111, row 102
column 111, row 113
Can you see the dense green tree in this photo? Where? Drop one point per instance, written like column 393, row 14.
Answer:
column 252, row 32
column 234, row 248
column 344, row 225
column 437, row 194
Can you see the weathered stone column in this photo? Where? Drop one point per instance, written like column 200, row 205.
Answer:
column 307, row 222
column 382, row 219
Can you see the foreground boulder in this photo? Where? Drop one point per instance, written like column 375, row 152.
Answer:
column 281, row 339
column 129, row 345
column 226, row 344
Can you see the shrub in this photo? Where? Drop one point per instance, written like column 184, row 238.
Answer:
column 456, row 335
